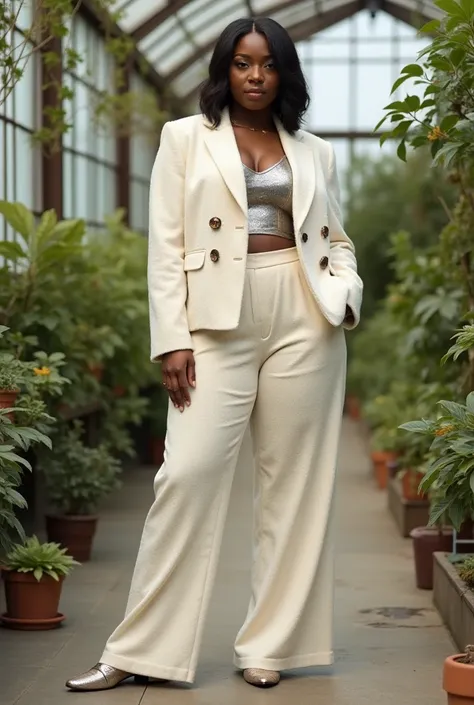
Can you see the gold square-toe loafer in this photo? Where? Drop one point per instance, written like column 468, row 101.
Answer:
column 102, row 677
column 261, row 677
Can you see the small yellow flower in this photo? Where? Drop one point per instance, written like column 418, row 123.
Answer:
column 42, row 371
column 435, row 134
column 443, row 430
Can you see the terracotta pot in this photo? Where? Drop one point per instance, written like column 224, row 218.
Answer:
column 118, row 390
column 353, row 407
column 427, row 540
column 157, row 449
column 76, row 533
column 380, row 460
column 96, row 369
column 31, row 605
column 8, row 399
column 410, row 482
column 458, row 681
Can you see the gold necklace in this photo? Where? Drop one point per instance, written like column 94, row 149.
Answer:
column 254, row 129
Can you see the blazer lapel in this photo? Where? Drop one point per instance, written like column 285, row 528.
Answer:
column 303, row 165
column 223, row 149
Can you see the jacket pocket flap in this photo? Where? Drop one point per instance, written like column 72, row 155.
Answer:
column 194, row 260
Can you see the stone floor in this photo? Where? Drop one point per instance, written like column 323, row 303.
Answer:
column 390, row 643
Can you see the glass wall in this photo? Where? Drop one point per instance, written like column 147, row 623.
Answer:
column 143, row 147
column 350, row 69
column 90, row 150
column 20, row 163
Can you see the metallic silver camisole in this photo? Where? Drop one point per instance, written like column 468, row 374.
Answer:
column 269, row 197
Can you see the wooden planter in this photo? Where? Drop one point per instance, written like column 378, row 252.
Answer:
column 32, row 605
column 76, row 533
column 454, row 601
column 427, row 541
column 407, row 513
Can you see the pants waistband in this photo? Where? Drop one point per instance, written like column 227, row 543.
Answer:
column 258, row 260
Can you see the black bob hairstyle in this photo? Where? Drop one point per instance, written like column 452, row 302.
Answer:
column 292, row 100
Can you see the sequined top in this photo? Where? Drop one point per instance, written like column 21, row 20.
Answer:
column 269, row 197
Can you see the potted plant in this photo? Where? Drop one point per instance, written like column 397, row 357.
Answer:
column 12, row 375
column 33, row 576
column 77, row 478
column 458, row 678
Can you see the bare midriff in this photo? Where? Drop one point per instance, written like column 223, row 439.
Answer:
column 267, row 243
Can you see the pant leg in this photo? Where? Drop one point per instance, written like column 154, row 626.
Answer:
column 161, row 632
column 295, row 426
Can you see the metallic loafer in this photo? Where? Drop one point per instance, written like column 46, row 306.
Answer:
column 102, row 677
column 261, row 678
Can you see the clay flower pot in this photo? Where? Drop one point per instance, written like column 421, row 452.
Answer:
column 353, row 407
column 76, row 533
column 427, row 540
column 458, row 681
column 380, row 460
column 8, row 399
column 410, row 483
column 32, row 605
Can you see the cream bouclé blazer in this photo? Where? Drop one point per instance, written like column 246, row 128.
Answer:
column 198, row 231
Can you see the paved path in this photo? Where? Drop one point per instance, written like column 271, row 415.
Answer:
column 390, row 643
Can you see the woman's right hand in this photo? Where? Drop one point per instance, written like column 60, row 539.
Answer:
column 179, row 373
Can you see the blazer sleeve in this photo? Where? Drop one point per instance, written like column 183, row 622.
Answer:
column 167, row 288
column 343, row 261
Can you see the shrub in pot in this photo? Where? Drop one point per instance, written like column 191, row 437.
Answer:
column 458, row 678
column 77, row 478
column 33, row 576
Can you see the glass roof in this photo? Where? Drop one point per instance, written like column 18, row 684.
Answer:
column 177, row 36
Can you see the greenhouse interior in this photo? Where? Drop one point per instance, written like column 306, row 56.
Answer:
column 87, row 87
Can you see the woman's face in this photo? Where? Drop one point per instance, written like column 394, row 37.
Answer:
column 254, row 80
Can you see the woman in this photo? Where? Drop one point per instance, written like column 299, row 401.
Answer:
column 251, row 279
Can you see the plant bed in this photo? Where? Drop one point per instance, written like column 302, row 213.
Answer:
column 408, row 513
column 453, row 600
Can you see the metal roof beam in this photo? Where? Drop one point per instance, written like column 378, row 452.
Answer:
column 158, row 18
column 299, row 31
column 205, row 48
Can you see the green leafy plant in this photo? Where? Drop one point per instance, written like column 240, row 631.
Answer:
column 77, row 477
column 40, row 559
column 451, row 471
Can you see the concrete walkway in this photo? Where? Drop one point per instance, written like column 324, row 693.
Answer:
column 390, row 644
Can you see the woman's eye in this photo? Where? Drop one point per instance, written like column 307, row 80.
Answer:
column 271, row 65
column 241, row 65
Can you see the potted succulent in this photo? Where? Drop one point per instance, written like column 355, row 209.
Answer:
column 33, row 576
column 77, row 478
column 458, row 678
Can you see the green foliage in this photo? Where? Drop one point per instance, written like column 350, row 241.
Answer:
column 47, row 22
column 77, row 477
column 15, row 441
column 451, row 470
column 40, row 559
column 443, row 117
column 386, row 197
column 466, row 571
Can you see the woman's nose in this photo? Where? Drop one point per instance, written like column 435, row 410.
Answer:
column 256, row 75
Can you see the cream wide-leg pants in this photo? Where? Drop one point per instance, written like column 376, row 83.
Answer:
column 282, row 370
